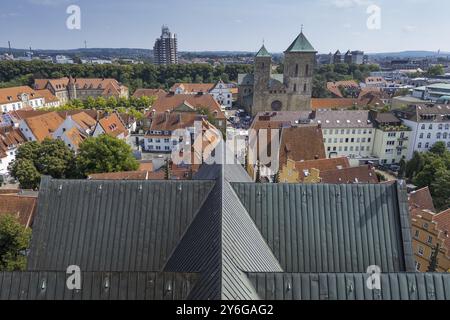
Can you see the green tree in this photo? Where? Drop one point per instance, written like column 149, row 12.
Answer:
column 434, row 261
column 439, row 148
column 440, row 189
column 105, row 154
column 26, row 173
column 414, row 165
column 14, row 241
column 50, row 157
column 402, row 170
column 437, row 70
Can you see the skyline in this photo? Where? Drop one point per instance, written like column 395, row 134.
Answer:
column 213, row 26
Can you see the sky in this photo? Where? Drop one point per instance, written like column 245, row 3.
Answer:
column 230, row 25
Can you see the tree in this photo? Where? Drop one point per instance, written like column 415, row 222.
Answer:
column 258, row 174
column 14, row 241
column 414, row 165
column 105, row 154
column 50, row 157
column 437, row 70
column 434, row 261
column 402, row 170
column 27, row 174
column 167, row 170
column 440, row 189
column 439, row 148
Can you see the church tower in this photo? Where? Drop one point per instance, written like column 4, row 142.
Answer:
column 299, row 62
column 263, row 65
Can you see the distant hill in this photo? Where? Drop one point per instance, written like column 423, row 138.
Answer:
column 409, row 54
column 90, row 52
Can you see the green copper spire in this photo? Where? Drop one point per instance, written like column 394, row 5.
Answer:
column 263, row 52
column 301, row 44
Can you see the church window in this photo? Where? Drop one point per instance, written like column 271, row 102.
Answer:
column 276, row 105
column 296, row 70
column 307, row 70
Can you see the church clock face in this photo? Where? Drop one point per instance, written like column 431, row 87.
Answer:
column 276, row 105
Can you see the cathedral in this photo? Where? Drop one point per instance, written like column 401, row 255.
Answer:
column 290, row 91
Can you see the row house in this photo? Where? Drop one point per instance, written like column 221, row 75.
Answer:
column 430, row 232
column 223, row 93
column 10, row 140
column 429, row 124
column 68, row 88
column 18, row 98
column 392, row 137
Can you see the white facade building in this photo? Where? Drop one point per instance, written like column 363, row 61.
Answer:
column 346, row 133
column 429, row 124
column 223, row 94
column 17, row 98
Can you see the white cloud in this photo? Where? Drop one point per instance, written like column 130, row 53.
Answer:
column 350, row 3
column 409, row 28
column 51, row 3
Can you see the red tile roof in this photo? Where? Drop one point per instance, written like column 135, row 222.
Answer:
column 169, row 102
column 301, row 143
column 9, row 137
column 19, row 206
column 112, row 125
column 193, row 87
column 128, row 175
column 45, row 125
column 443, row 224
column 362, row 174
column 421, row 199
column 11, row 95
column 322, row 164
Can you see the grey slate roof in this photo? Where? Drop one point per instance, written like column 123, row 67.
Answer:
column 219, row 237
column 351, row 286
column 96, row 286
column 332, row 228
column 112, row 225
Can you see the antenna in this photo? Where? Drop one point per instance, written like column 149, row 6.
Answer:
column 9, row 45
column 302, row 29
column 85, row 44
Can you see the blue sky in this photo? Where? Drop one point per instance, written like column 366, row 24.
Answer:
column 228, row 24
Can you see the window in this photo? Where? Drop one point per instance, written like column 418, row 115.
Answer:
column 416, row 234
column 325, row 131
column 296, row 70
column 167, row 148
column 329, row 148
column 419, row 145
column 429, row 136
column 418, row 265
column 430, row 127
column 447, row 126
column 295, row 87
column 369, row 139
column 307, row 70
column 430, row 240
column 389, row 151
column 391, row 134
column 304, row 87
column 362, row 148
column 420, row 251
column 391, row 143
column 166, row 140
column 427, row 145
column 425, row 225
column 342, row 131
column 441, row 126
column 445, row 135
column 423, row 127
column 421, row 136
column 351, row 148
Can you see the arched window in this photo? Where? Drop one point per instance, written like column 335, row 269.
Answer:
column 304, row 87
column 307, row 70
column 295, row 87
column 276, row 105
column 296, row 70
